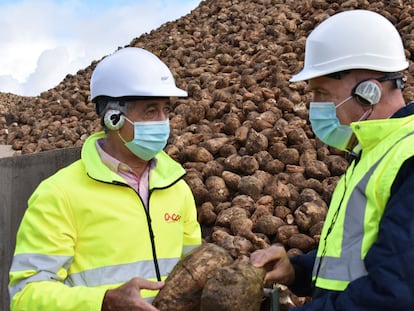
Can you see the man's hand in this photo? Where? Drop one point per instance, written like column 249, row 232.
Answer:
column 276, row 262
column 128, row 296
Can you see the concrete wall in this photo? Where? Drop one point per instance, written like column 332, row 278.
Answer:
column 19, row 176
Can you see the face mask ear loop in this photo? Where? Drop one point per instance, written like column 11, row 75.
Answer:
column 365, row 115
column 125, row 117
column 343, row 102
column 119, row 134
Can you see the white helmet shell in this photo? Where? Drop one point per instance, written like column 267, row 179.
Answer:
column 133, row 72
column 356, row 39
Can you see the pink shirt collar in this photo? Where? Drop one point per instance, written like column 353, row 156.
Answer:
column 138, row 183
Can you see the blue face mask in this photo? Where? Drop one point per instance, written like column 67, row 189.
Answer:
column 326, row 126
column 149, row 138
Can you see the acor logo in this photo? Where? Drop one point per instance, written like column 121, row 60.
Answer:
column 171, row 217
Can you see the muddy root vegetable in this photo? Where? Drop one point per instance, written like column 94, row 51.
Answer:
column 285, row 232
column 231, row 179
column 236, row 287
column 268, row 224
column 183, row 287
column 236, row 245
column 225, row 217
column 242, row 226
column 279, row 191
column 251, row 186
column 256, row 142
column 195, row 181
column 248, row 165
column 213, row 145
column 317, row 169
column 244, row 201
column 218, row 191
column 310, row 213
column 301, row 241
column 206, row 213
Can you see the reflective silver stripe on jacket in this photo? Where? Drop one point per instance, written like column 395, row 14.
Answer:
column 32, row 262
column 120, row 273
column 48, row 266
column 189, row 248
column 349, row 266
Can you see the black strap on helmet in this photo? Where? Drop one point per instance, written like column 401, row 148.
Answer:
column 398, row 78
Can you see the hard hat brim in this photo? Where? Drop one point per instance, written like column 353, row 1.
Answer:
column 310, row 73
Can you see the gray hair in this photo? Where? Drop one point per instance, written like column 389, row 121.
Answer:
column 122, row 106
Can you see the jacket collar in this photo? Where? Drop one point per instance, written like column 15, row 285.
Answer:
column 405, row 111
column 166, row 172
column 370, row 132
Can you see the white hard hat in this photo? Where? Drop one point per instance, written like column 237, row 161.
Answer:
column 133, row 72
column 356, row 39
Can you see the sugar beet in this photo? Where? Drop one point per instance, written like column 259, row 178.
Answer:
column 183, row 287
column 234, row 288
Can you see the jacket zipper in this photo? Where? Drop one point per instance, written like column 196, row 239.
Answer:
column 151, row 233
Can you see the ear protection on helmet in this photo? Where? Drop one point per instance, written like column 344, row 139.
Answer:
column 367, row 92
column 114, row 119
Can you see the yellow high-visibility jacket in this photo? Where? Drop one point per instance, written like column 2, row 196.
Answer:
column 359, row 201
column 85, row 231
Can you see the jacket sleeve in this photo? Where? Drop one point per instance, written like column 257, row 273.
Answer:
column 303, row 265
column 192, row 230
column 389, row 284
column 44, row 252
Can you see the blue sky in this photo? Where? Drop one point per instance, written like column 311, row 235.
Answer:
column 44, row 40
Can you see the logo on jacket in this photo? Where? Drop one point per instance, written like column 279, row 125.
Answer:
column 171, row 217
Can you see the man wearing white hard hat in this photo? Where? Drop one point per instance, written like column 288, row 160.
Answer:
column 104, row 232
column 353, row 64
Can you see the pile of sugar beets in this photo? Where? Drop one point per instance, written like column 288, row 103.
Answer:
column 258, row 173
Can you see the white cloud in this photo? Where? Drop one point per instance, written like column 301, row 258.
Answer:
column 44, row 40
column 10, row 84
column 50, row 67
